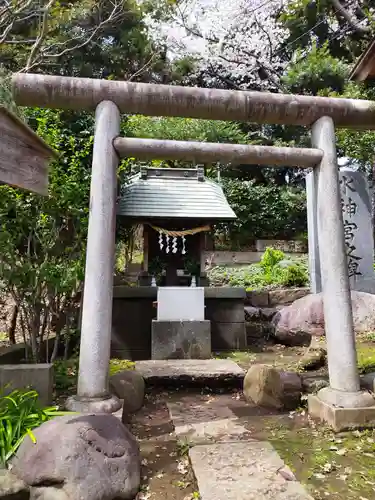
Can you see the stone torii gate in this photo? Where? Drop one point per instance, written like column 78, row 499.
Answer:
column 342, row 404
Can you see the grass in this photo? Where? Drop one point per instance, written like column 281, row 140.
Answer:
column 20, row 413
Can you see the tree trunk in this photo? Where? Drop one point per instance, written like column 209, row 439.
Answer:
column 12, row 326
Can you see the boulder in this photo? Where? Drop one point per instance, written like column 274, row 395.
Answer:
column 80, row 457
column 263, row 386
column 266, row 386
column 292, row 390
column 129, row 386
column 48, row 493
column 297, row 323
column 11, row 487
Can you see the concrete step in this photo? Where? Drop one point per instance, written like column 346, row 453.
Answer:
column 250, row 470
column 195, row 372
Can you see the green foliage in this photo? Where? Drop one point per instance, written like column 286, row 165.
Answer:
column 82, row 38
column 184, row 129
column 269, row 273
column 20, row 413
column 43, row 239
column 119, row 365
column 270, row 258
column 294, row 275
column 66, row 372
column 263, row 211
column 365, row 358
column 315, row 71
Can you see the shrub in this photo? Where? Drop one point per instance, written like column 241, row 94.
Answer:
column 271, row 257
column 294, row 275
column 269, row 272
column 20, row 413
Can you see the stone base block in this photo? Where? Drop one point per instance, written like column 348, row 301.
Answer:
column 228, row 336
column 341, row 419
column 181, row 339
column 109, row 404
column 37, row 376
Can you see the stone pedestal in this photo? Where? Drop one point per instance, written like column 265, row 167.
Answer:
column 341, row 419
column 181, row 339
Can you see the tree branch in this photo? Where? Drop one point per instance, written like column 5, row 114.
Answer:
column 42, row 34
column 341, row 11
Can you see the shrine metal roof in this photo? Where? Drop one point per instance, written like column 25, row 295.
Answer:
column 157, row 193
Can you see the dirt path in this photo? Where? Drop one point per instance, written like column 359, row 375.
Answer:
column 177, row 423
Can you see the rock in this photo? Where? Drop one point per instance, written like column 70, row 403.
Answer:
column 292, row 389
column 257, row 298
column 86, row 457
column 48, row 493
column 267, row 313
column 368, row 381
column 286, row 295
column 314, row 384
column 263, row 386
column 291, row 381
column 11, row 487
column 252, row 313
column 313, row 359
column 266, row 386
column 129, row 386
column 297, row 323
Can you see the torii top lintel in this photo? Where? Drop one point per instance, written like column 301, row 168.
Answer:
column 193, row 102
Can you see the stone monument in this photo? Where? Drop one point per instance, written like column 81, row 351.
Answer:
column 180, row 330
column 358, row 228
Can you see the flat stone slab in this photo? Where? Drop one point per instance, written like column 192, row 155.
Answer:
column 199, row 420
column 190, row 371
column 243, row 471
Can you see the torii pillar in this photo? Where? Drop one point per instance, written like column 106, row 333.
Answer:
column 93, row 393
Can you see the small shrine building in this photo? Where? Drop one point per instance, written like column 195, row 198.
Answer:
column 177, row 208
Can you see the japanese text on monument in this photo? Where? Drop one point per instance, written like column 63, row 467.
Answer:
column 350, row 211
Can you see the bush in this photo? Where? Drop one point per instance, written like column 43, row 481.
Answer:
column 294, row 275
column 271, row 257
column 270, row 212
column 20, row 413
column 268, row 273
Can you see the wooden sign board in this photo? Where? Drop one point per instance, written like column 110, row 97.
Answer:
column 24, row 157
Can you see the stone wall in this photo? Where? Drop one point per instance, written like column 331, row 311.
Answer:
column 254, row 253
column 261, row 307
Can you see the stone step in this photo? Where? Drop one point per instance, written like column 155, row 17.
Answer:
column 195, row 372
column 249, row 470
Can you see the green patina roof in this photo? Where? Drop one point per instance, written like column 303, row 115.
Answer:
column 173, row 193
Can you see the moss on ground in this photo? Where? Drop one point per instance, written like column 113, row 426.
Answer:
column 330, row 465
column 366, row 357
